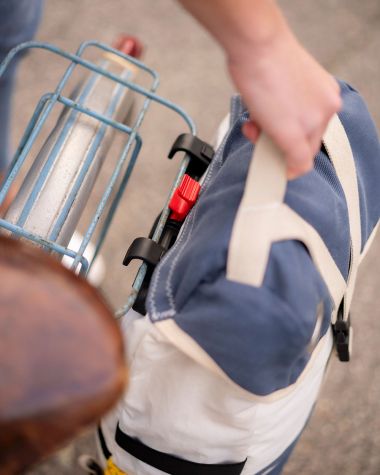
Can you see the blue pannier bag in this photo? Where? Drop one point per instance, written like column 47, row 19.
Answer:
column 246, row 308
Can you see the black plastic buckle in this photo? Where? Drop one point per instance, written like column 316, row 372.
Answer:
column 151, row 253
column 201, row 154
column 144, row 249
column 342, row 334
column 148, row 250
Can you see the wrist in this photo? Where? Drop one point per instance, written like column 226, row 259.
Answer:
column 241, row 27
column 256, row 33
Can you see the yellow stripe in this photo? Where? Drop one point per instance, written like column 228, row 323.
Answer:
column 111, row 469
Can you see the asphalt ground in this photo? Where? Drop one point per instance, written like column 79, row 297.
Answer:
column 343, row 436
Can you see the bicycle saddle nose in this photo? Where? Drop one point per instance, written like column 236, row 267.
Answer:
column 61, row 355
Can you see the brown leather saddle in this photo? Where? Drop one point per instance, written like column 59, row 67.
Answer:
column 61, row 355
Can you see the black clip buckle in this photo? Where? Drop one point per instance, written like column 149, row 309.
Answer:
column 342, row 335
column 151, row 253
column 144, row 249
column 201, row 154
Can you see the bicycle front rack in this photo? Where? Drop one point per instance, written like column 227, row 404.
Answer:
column 50, row 240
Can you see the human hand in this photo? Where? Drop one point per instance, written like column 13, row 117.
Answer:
column 289, row 96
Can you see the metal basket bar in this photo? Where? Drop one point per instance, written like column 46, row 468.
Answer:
column 133, row 136
column 116, row 200
column 52, row 246
column 105, row 197
column 37, row 112
column 85, row 168
column 77, row 59
column 23, row 150
column 53, row 155
column 96, row 115
column 95, row 68
column 40, row 116
column 110, row 122
column 109, row 49
column 42, row 112
column 29, row 137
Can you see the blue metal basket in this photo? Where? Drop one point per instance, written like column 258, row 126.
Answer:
column 127, row 158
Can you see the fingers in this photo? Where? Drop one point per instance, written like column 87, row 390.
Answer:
column 314, row 138
column 251, row 131
column 299, row 142
column 318, row 128
column 298, row 152
column 299, row 156
column 294, row 112
column 296, row 147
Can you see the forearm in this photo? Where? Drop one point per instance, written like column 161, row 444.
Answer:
column 281, row 84
column 239, row 25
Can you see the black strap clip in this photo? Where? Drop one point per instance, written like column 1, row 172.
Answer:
column 148, row 250
column 144, row 249
column 201, row 154
column 343, row 335
column 151, row 253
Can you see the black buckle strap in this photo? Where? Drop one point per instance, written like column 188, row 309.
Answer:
column 171, row 464
column 107, row 454
column 150, row 252
column 342, row 336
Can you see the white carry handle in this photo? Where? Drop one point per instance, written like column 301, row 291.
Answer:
column 263, row 218
column 263, row 194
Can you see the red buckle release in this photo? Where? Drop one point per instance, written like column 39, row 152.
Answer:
column 184, row 198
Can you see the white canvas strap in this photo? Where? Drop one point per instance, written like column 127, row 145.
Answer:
column 280, row 223
column 263, row 219
column 339, row 150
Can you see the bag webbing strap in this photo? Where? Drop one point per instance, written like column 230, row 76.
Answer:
column 253, row 233
column 264, row 190
column 171, row 464
column 340, row 153
column 282, row 223
column 110, row 468
column 107, row 454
